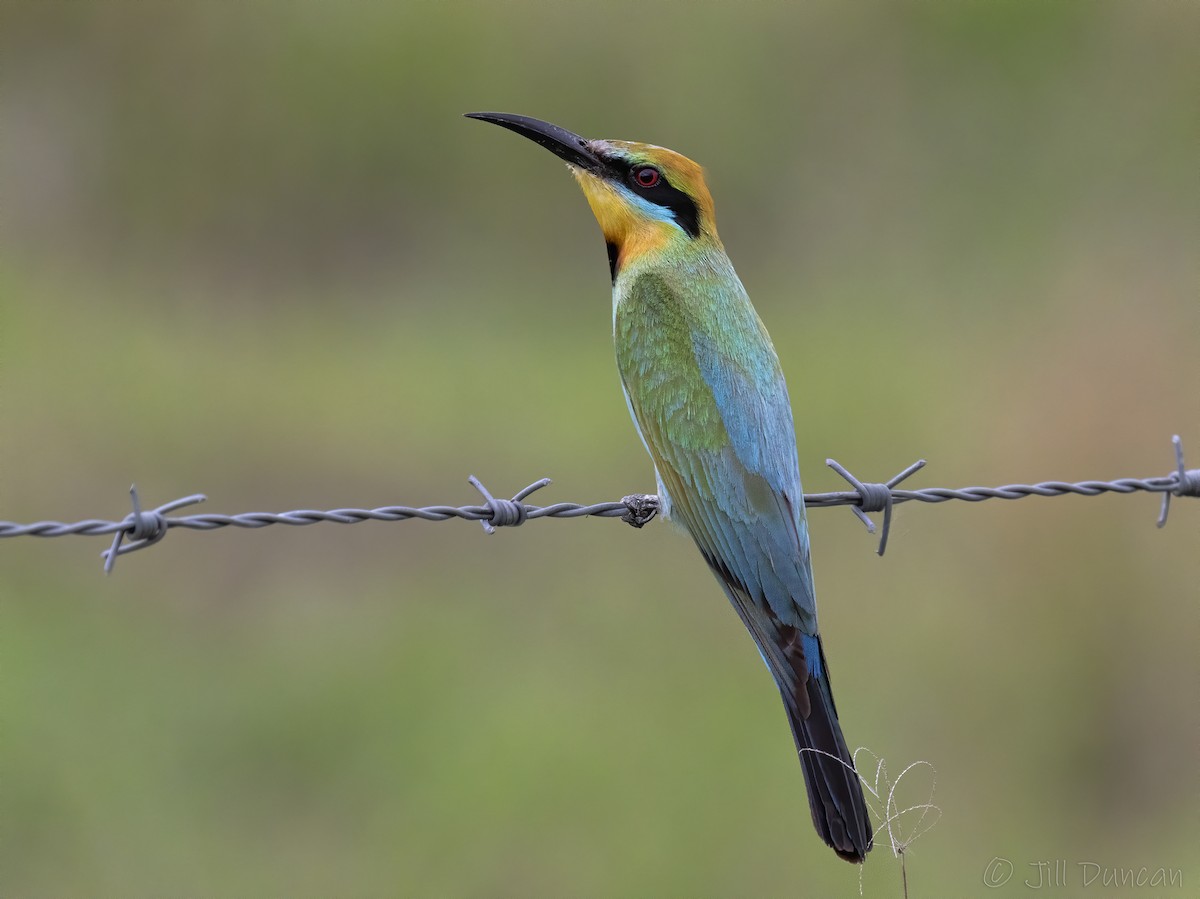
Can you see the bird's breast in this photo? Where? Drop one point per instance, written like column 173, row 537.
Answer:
column 654, row 330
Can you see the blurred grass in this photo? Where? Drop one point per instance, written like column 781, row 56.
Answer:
column 254, row 252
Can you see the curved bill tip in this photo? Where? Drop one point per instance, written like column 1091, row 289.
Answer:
column 562, row 143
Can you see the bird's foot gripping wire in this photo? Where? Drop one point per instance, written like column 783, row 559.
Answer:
column 640, row 508
column 875, row 498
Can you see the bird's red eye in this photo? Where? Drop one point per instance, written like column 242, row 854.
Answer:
column 646, row 176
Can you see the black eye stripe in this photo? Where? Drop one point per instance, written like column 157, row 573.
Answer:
column 663, row 194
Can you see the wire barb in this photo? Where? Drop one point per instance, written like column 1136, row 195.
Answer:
column 506, row 513
column 875, row 498
column 143, row 528
column 1187, row 482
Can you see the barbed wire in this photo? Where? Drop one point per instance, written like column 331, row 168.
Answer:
column 143, row 528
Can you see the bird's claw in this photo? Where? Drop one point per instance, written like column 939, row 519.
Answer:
column 640, row 509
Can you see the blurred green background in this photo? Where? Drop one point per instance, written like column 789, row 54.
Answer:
column 254, row 251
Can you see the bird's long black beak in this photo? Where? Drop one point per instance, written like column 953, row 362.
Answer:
column 559, row 141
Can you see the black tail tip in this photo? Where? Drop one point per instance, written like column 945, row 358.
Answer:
column 854, row 856
column 853, row 847
column 839, row 809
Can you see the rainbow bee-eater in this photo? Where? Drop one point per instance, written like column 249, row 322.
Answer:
column 707, row 395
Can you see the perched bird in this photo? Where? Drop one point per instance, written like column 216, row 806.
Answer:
column 707, row 395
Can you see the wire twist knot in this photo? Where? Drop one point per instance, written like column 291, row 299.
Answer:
column 875, row 497
column 145, row 525
column 506, row 513
column 1189, row 483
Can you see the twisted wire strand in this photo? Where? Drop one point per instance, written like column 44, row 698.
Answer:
column 935, row 495
column 144, row 528
column 93, row 527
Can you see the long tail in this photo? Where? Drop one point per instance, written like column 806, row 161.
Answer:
column 835, row 794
